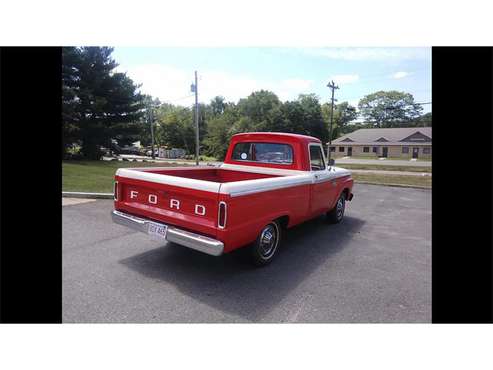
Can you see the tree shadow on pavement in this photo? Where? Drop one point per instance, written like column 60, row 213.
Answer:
column 231, row 284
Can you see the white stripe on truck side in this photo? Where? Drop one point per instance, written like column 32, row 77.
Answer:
column 263, row 170
column 238, row 188
column 183, row 182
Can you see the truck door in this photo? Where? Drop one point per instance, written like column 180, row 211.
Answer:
column 322, row 188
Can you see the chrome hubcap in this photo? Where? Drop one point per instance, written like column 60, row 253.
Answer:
column 268, row 241
column 340, row 208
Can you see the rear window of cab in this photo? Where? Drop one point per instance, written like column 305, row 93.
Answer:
column 263, row 153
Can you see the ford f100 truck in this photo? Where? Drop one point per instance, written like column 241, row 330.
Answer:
column 268, row 183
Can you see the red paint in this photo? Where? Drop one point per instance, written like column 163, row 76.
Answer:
column 246, row 214
column 210, row 174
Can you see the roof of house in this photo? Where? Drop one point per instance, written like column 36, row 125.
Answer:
column 389, row 136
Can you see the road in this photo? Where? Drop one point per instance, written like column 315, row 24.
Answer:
column 395, row 173
column 386, row 162
column 373, row 267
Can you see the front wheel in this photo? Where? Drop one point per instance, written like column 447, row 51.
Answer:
column 265, row 247
column 337, row 213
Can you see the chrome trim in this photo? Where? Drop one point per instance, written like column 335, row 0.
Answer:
column 225, row 214
column 269, row 188
column 260, row 169
column 115, row 190
column 263, row 162
column 185, row 238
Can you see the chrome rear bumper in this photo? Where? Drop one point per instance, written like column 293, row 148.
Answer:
column 186, row 238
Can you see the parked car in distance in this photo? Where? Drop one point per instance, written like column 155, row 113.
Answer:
column 149, row 152
column 268, row 183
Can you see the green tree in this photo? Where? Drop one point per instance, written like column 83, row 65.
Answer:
column 220, row 128
column 217, row 106
column 175, row 127
column 304, row 116
column 344, row 114
column 217, row 137
column 144, row 134
column 423, row 121
column 258, row 105
column 108, row 104
column 389, row 108
column 70, row 102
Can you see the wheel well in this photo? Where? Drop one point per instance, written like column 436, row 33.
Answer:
column 283, row 221
column 346, row 193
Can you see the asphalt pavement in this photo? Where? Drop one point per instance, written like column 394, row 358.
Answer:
column 373, row 267
column 394, row 173
column 386, row 162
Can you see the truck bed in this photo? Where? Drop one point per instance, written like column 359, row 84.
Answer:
column 177, row 196
column 214, row 174
column 149, row 192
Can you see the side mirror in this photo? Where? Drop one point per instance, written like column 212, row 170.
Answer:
column 331, row 162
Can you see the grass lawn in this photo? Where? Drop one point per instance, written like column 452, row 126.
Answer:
column 407, row 159
column 363, row 157
column 424, row 181
column 383, row 167
column 96, row 176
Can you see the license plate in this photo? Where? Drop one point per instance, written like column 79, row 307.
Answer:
column 157, row 230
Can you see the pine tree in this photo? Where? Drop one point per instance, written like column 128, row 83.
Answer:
column 102, row 104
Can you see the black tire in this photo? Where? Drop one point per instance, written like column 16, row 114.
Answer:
column 265, row 248
column 337, row 213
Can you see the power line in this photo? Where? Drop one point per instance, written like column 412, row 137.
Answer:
column 177, row 99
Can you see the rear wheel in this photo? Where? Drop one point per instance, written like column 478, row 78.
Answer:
column 337, row 213
column 265, row 247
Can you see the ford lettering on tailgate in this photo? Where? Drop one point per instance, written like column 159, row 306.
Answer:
column 162, row 199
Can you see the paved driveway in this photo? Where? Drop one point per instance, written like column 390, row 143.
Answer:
column 373, row 267
column 387, row 162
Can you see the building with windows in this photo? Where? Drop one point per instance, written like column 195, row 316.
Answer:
column 406, row 142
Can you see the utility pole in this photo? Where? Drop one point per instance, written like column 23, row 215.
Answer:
column 195, row 90
column 333, row 87
column 152, row 130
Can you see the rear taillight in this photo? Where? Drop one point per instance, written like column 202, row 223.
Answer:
column 221, row 219
column 115, row 190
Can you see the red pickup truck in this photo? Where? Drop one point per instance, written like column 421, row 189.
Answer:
column 268, row 182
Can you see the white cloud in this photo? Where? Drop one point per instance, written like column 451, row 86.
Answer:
column 401, row 74
column 345, row 79
column 375, row 54
column 296, row 84
column 171, row 84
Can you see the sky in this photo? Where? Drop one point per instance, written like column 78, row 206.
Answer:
column 234, row 73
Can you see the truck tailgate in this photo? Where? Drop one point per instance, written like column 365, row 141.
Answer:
column 184, row 207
